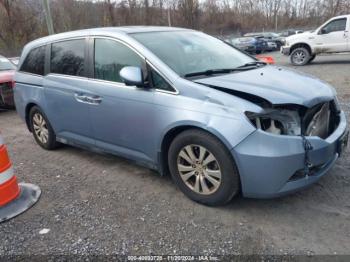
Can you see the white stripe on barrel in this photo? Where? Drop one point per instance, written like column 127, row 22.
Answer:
column 6, row 175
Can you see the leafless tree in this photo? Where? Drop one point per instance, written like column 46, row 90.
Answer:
column 23, row 20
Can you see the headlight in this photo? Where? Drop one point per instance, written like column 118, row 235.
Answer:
column 319, row 123
column 277, row 121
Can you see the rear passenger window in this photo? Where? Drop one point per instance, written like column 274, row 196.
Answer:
column 110, row 57
column 35, row 61
column 67, row 57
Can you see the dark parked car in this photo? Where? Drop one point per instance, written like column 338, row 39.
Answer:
column 7, row 71
column 270, row 37
column 290, row 32
column 252, row 45
column 271, row 45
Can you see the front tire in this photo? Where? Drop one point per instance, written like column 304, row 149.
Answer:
column 300, row 56
column 203, row 168
column 41, row 129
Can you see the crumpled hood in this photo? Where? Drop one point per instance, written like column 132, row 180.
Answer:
column 276, row 85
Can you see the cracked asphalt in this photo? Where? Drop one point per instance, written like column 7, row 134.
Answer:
column 94, row 204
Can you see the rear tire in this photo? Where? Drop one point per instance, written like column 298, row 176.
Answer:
column 300, row 56
column 41, row 129
column 209, row 175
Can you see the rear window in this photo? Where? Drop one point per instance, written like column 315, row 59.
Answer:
column 67, row 57
column 35, row 61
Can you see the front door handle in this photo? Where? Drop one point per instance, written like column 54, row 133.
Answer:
column 92, row 100
column 80, row 97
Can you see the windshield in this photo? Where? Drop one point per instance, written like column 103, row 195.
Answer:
column 5, row 64
column 188, row 52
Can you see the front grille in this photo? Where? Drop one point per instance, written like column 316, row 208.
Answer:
column 300, row 174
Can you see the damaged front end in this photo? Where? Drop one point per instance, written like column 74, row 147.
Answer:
column 300, row 130
column 319, row 120
column 292, row 148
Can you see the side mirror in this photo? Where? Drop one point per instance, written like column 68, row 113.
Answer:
column 132, row 76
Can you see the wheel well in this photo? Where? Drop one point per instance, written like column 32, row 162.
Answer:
column 168, row 138
column 28, row 108
column 301, row 45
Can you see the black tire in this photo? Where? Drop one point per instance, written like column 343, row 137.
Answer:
column 51, row 142
column 229, row 183
column 300, row 56
column 312, row 58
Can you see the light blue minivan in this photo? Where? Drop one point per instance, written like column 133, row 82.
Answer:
column 185, row 103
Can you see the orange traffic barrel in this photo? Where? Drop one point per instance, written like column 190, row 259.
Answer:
column 14, row 198
column 267, row 59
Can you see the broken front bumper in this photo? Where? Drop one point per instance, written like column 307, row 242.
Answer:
column 272, row 165
column 285, row 50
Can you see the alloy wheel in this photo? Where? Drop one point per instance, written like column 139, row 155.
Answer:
column 199, row 169
column 40, row 128
column 299, row 57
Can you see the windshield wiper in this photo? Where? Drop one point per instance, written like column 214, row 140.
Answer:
column 253, row 64
column 210, row 72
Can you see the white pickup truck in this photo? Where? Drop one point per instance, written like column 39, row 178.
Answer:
column 331, row 37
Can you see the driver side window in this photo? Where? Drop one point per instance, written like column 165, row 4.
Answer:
column 110, row 57
column 335, row 26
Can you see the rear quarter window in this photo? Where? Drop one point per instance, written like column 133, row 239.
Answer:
column 34, row 63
